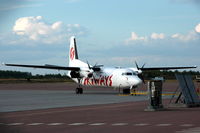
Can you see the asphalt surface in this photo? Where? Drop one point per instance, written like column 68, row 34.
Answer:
column 20, row 100
column 126, row 117
column 31, row 108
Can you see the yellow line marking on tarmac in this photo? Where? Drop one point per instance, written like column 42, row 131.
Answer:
column 145, row 93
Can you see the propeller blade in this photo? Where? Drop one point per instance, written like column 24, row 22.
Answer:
column 140, row 75
column 96, row 67
column 143, row 65
column 95, row 64
column 137, row 65
column 89, row 65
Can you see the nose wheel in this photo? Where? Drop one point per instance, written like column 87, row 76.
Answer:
column 79, row 90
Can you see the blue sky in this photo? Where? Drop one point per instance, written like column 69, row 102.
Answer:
column 114, row 33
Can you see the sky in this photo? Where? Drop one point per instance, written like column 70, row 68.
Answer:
column 109, row 32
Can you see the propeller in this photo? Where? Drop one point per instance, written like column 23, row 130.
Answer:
column 96, row 67
column 93, row 69
column 140, row 75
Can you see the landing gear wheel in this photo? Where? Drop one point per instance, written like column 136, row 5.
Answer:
column 126, row 91
column 79, row 90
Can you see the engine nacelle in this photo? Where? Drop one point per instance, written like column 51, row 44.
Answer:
column 75, row 74
column 81, row 74
column 87, row 74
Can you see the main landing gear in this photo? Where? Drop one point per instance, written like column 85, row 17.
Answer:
column 79, row 90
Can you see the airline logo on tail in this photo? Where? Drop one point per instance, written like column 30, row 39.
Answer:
column 72, row 53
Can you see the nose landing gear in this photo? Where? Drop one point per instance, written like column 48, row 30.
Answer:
column 79, row 90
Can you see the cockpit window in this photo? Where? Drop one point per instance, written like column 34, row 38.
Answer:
column 128, row 73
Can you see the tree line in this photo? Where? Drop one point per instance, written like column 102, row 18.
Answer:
column 28, row 75
column 147, row 75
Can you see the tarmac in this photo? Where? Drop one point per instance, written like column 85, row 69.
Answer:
column 55, row 108
column 21, row 100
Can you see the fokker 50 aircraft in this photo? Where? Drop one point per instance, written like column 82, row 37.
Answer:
column 98, row 75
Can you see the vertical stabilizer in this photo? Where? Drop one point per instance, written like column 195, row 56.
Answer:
column 73, row 53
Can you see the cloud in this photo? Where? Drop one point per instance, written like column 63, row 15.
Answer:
column 157, row 49
column 197, row 28
column 37, row 30
column 190, row 36
column 135, row 37
column 157, row 36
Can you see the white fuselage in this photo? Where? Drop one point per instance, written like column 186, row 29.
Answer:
column 111, row 77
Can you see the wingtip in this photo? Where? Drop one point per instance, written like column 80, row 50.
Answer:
column 3, row 64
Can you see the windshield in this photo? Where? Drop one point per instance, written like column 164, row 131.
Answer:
column 128, row 73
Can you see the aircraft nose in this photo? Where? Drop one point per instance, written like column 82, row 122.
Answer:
column 139, row 81
column 135, row 81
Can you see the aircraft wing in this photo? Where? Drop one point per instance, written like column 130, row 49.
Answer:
column 165, row 68
column 46, row 67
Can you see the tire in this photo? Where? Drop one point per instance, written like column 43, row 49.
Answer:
column 79, row 90
column 126, row 91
